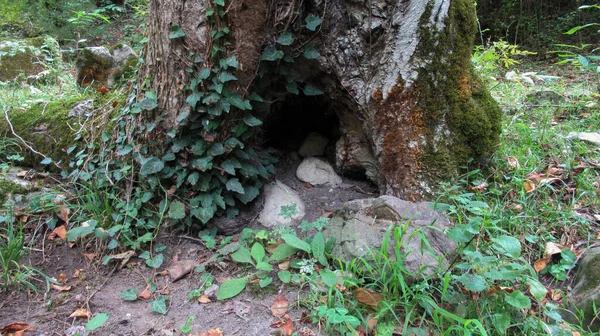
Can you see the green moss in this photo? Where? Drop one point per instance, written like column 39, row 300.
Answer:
column 24, row 56
column 452, row 92
column 260, row 292
column 7, row 187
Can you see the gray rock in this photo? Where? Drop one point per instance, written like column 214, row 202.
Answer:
column 100, row 67
column 83, row 109
column 586, row 291
column 589, row 137
column 278, row 195
column 360, row 227
column 316, row 171
column 313, row 145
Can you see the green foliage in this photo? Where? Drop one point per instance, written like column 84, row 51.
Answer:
column 97, row 321
column 498, row 54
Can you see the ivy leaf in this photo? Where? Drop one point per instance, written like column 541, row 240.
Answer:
column 177, row 210
column 46, row 161
column 97, row 322
column 226, row 76
column 228, row 166
column 236, row 101
column 250, row 193
column 312, row 22
column 235, row 185
column 182, row 116
column 204, row 214
column 194, row 98
column 217, row 149
column 286, row 39
column 254, row 96
column 211, row 99
column 311, row 90
column 176, row 32
column 310, row 52
column 151, row 166
column 518, row 300
column 219, row 2
column 148, row 104
column 271, row 54
column 292, row 88
column 234, row 142
column 231, row 288
column 203, row 74
column 159, row 305
column 229, row 62
column 252, row 121
column 193, row 178
column 293, row 240
column 155, row 262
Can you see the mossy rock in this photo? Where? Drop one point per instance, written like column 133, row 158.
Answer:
column 27, row 56
column 47, row 128
column 8, row 187
column 586, row 292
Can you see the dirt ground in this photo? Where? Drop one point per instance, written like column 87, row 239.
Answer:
column 97, row 288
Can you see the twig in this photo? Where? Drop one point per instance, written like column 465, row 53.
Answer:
column 87, row 301
column 12, row 130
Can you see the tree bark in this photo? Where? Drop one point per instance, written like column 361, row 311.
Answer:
column 397, row 74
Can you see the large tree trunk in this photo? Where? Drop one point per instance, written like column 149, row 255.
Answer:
column 395, row 73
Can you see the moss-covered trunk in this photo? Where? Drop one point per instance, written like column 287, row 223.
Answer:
column 397, row 75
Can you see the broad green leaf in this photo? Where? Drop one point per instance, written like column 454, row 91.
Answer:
column 508, row 245
column 176, row 32
column 271, row 54
column 194, row 98
column 292, row 88
column 237, row 101
column 242, row 255
column 536, row 289
column 501, row 322
column 328, row 277
column 250, row 120
column 258, row 252
column 293, row 240
column 129, row 295
column 286, row 39
column 156, row 262
column 226, row 76
column 311, row 90
column 203, row 74
column 250, row 193
column 263, row 266
column 229, row 62
column 152, row 165
column 187, row 327
column 285, row 276
column 474, row 283
column 283, row 251
column 177, row 210
column 81, row 231
column 265, row 282
column 310, row 52
column 518, row 300
column 204, row 214
column 312, row 22
column 193, row 178
column 46, row 161
column 231, row 288
column 235, row 185
column 219, row 2
column 96, row 322
column 159, row 305
column 318, row 245
column 148, row 104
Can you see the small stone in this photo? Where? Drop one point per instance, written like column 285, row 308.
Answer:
column 278, row 196
column 589, row 137
column 316, row 171
column 83, row 109
column 313, row 145
column 210, row 291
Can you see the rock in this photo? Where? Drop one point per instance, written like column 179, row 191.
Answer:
column 586, row 291
column 361, row 226
column 100, row 67
column 316, row 171
column 589, row 137
column 313, row 145
column 545, row 97
column 83, row 109
column 278, row 195
column 76, row 330
column 27, row 56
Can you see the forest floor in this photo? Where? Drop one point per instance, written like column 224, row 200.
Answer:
column 528, row 191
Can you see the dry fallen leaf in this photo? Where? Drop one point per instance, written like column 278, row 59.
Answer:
column 552, row 249
column 368, row 296
column 181, row 268
column 515, row 207
column 22, row 173
column 540, row 264
column 61, row 232
column 284, row 266
column 16, row 328
column 480, row 188
column 280, row 306
column 495, row 289
column 529, row 186
column 212, row 332
column 271, row 247
column 285, row 324
column 64, row 214
column 81, row 312
column 89, row 256
column 60, row 288
column 77, row 272
column 512, row 162
column 145, row 295
column 62, row 278
column 204, row 299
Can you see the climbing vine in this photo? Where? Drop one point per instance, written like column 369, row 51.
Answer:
column 205, row 165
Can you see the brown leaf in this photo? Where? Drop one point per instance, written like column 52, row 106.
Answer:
column 204, row 299
column 145, row 295
column 60, row 232
column 495, row 289
column 89, row 256
column 16, row 328
column 512, row 162
column 535, row 177
column 181, row 268
column 76, row 273
column 171, row 190
column 271, row 247
column 326, row 214
column 529, row 186
column 212, row 332
column 102, row 90
column 62, row 278
column 284, row 266
column 480, row 188
column 280, row 306
column 63, row 214
column 288, row 325
column 60, row 288
column 22, row 173
column 81, row 312
column 552, row 249
column 305, row 318
column 368, row 297
column 515, row 207
column 540, row 264
column 308, row 185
